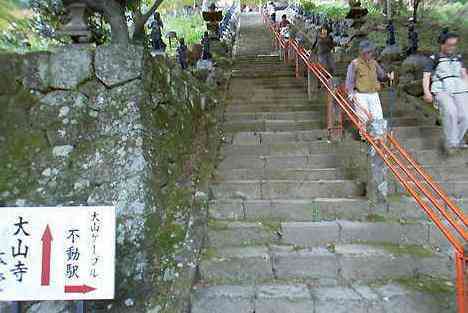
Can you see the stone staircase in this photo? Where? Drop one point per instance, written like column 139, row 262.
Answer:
column 289, row 230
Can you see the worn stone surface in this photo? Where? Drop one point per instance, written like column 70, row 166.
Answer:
column 117, row 64
column 68, row 67
column 36, row 71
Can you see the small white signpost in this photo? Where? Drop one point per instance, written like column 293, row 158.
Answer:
column 57, row 253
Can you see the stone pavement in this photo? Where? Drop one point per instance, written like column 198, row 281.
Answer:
column 290, row 229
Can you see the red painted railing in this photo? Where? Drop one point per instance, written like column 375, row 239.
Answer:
column 429, row 195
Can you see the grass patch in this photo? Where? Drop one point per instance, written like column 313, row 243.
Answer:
column 375, row 218
column 208, row 253
column 398, row 250
column 427, row 284
column 273, row 226
column 217, row 225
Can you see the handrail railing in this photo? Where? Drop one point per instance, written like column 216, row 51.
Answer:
column 429, row 195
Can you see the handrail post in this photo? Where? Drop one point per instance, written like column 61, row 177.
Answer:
column 462, row 280
column 377, row 188
column 297, row 65
column 286, row 52
column 312, row 81
column 334, row 115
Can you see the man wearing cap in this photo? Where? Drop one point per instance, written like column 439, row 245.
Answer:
column 363, row 83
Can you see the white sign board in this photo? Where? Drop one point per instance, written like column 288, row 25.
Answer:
column 57, row 253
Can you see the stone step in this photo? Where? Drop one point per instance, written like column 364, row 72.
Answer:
column 247, row 61
column 279, row 174
column 298, row 106
column 280, row 149
column 235, row 82
column 262, row 74
column 401, row 207
column 272, row 96
column 312, row 161
column 316, row 234
column 456, row 189
column 272, row 125
column 415, row 144
column 447, row 173
column 432, row 132
column 277, row 90
column 268, row 66
column 281, row 125
column 355, row 263
column 286, row 189
column 403, row 113
column 255, row 138
column 318, row 209
column 403, row 121
column 291, row 116
column 431, row 157
column 284, row 297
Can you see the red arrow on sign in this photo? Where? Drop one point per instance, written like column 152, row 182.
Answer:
column 79, row 289
column 46, row 249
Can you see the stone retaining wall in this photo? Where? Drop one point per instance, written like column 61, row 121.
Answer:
column 81, row 126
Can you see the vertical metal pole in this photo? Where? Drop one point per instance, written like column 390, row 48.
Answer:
column 297, row 65
column 286, row 53
column 309, row 84
column 312, row 82
column 15, row 307
column 80, row 307
column 330, row 120
column 462, row 280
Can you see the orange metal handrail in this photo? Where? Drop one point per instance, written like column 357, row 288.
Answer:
column 452, row 224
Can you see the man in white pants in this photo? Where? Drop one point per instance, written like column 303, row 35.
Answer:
column 363, row 83
column 449, row 79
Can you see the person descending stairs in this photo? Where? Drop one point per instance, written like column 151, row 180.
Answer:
column 290, row 230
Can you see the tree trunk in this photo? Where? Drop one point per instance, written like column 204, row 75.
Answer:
column 415, row 10
column 140, row 21
column 114, row 13
column 119, row 29
column 139, row 31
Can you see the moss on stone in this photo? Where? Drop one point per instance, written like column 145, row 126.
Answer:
column 397, row 250
column 427, row 284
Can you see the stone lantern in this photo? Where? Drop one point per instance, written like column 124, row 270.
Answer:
column 77, row 27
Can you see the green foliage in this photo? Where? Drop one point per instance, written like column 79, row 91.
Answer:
column 453, row 14
column 332, row 10
column 6, row 9
column 173, row 5
column 189, row 27
column 251, row 2
column 17, row 29
column 308, row 5
column 374, row 9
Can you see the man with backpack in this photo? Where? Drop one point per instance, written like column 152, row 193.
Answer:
column 446, row 80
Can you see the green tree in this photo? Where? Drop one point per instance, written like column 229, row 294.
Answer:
column 116, row 13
